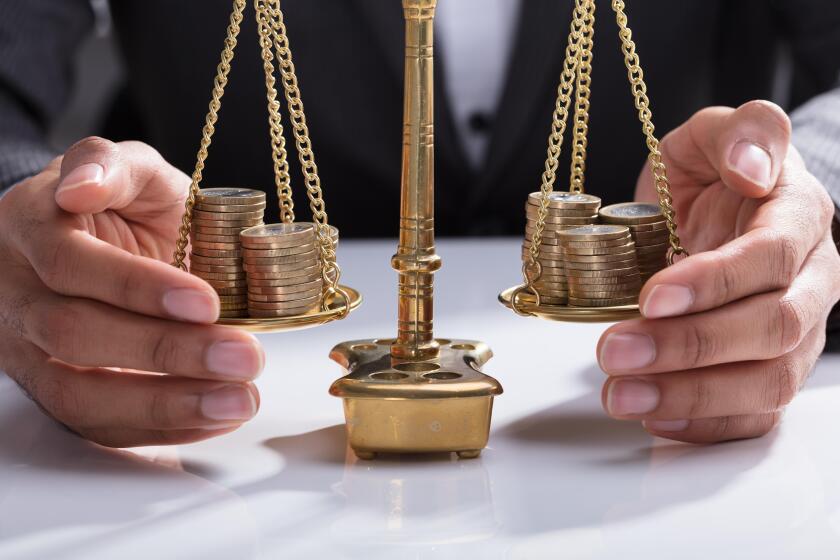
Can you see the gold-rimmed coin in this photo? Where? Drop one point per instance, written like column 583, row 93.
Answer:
column 563, row 220
column 627, row 255
column 230, row 208
column 288, row 289
column 224, row 196
column 631, row 213
column 567, row 200
column 227, row 216
column 609, row 243
column 283, row 298
column 285, row 305
column 216, row 253
column 602, row 273
column 268, row 283
column 204, row 238
column 650, row 228
column 288, row 235
column 269, row 313
column 222, row 284
column 618, row 282
column 224, row 299
column 594, row 232
column 593, row 251
column 219, row 275
column 221, row 269
column 226, row 231
column 574, row 265
column 283, row 252
column 242, row 224
column 243, row 291
column 214, row 261
column 213, row 246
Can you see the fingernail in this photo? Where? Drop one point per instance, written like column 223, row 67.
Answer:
column 752, row 162
column 667, row 300
column 87, row 174
column 229, row 403
column 665, row 425
column 236, row 359
column 627, row 351
column 190, row 305
column 628, row 396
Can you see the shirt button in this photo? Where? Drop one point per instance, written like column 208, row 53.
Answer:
column 480, row 123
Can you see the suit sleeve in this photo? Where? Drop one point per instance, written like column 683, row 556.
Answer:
column 38, row 39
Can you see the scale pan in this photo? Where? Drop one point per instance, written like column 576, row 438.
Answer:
column 570, row 313
column 296, row 322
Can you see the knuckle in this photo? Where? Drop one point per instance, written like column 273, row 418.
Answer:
column 56, row 264
column 701, row 398
column 160, row 410
column 791, row 324
column 54, row 328
column 768, row 112
column 786, row 258
column 58, row 399
column 92, row 146
column 727, row 280
column 699, row 345
column 784, row 385
column 165, row 352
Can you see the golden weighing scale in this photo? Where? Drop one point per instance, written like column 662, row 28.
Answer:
column 417, row 393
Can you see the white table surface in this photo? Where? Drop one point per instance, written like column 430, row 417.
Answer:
column 559, row 479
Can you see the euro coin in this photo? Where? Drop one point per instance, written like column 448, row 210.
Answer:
column 631, row 213
column 225, row 196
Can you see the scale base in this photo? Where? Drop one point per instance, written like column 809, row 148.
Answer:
column 403, row 406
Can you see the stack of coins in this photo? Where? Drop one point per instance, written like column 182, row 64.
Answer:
column 566, row 210
column 282, row 263
column 648, row 229
column 600, row 264
column 218, row 217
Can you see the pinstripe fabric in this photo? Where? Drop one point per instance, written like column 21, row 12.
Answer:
column 816, row 133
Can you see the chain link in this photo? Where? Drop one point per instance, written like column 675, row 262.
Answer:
column 282, row 180
column 219, row 83
column 639, row 89
column 582, row 93
column 330, row 270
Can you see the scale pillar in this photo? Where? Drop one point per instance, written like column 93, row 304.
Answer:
column 416, row 260
column 416, row 393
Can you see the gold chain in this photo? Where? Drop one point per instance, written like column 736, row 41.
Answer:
column 330, row 270
column 582, row 92
column 531, row 269
column 282, row 180
column 219, row 84
column 639, row 89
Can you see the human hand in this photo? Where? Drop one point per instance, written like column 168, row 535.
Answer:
column 88, row 305
column 730, row 334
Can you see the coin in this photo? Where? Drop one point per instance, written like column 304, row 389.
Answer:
column 224, row 268
column 242, row 224
column 574, row 265
column 563, row 220
column 276, row 298
column 216, row 246
column 236, row 298
column 608, row 243
column 283, row 304
column 282, row 252
column 602, row 273
column 205, row 238
column 230, row 208
column 626, row 255
column 226, row 231
column 280, row 261
column 237, row 283
column 565, row 199
column 604, row 282
column 271, row 313
column 224, row 196
column 594, row 251
column 278, row 268
column 288, row 289
column 200, row 251
column 243, row 291
column 214, row 261
column 650, row 228
column 631, row 213
column 219, row 275
column 228, row 216
column 288, row 234
column 595, row 232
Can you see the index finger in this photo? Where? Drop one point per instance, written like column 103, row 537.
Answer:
column 776, row 240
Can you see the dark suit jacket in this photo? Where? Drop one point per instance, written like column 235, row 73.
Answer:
column 349, row 58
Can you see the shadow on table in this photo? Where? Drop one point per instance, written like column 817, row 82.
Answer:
column 581, row 468
column 64, row 497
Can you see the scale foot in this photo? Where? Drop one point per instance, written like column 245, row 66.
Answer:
column 365, row 455
column 469, row 454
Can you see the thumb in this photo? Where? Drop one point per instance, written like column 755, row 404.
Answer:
column 744, row 147
column 97, row 175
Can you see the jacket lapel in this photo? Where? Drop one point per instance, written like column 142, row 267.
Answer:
column 533, row 70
